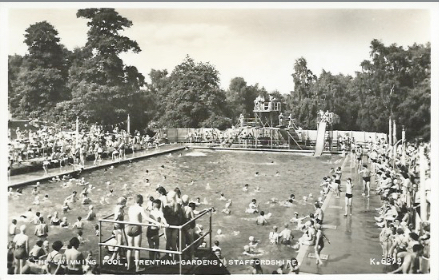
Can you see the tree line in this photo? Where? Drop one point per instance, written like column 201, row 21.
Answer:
column 53, row 83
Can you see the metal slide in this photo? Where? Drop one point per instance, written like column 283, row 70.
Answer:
column 320, row 142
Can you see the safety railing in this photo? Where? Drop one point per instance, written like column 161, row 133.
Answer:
column 180, row 250
column 267, row 107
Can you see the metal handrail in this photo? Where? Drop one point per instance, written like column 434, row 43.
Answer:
column 195, row 241
column 138, row 224
column 148, row 225
column 196, row 218
column 141, row 248
column 180, row 250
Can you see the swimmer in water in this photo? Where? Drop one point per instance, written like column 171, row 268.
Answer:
column 291, row 199
column 245, row 188
column 66, row 207
column 71, row 198
column 277, row 174
column 248, row 251
column 35, row 191
column 222, row 197
column 82, row 182
column 274, row 236
column 36, row 200
column 198, row 202
column 191, row 183
column 147, row 183
column 257, row 174
column 258, row 189
column 261, row 220
column 91, row 215
column 85, row 199
column 252, row 207
column 64, row 223
column 253, row 243
column 226, row 209
column 55, row 221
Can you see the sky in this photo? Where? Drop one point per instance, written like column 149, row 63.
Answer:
column 260, row 45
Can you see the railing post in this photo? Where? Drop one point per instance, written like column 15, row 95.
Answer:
column 180, row 247
column 100, row 248
column 210, row 228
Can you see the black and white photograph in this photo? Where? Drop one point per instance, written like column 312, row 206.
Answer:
column 219, row 139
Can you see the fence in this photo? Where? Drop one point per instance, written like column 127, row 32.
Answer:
column 209, row 134
column 180, row 251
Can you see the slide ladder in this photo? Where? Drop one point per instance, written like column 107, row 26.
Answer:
column 286, row 135
column 320, row 142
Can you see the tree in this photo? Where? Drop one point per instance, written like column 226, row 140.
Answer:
column 195, row 98
column 41, row 80
column 103, row 88
column 302, row 102
column 394, row 82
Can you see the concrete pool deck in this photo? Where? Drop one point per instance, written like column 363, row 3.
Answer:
column 39, row 176
column 354, row 239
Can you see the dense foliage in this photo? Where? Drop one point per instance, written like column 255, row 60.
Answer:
column 92, row 82
column 394, row 82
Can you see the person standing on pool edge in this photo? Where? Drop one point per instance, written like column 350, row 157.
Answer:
column 136, row 214
column 365, row 173
column 348, row 198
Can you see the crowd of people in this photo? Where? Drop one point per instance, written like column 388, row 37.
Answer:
column 57, row 147
column 394, row 175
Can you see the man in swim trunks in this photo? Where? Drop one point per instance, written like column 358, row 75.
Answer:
column 136, row 214
column 348, row 198
column 365, row 173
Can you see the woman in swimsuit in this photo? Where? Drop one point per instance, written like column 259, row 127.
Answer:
column 348, row 198
column 21, row 252
column 55, row 221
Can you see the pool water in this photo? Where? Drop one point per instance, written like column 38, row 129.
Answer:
column 212, row 172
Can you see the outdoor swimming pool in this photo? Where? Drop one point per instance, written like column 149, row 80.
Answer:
column 212, row 172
